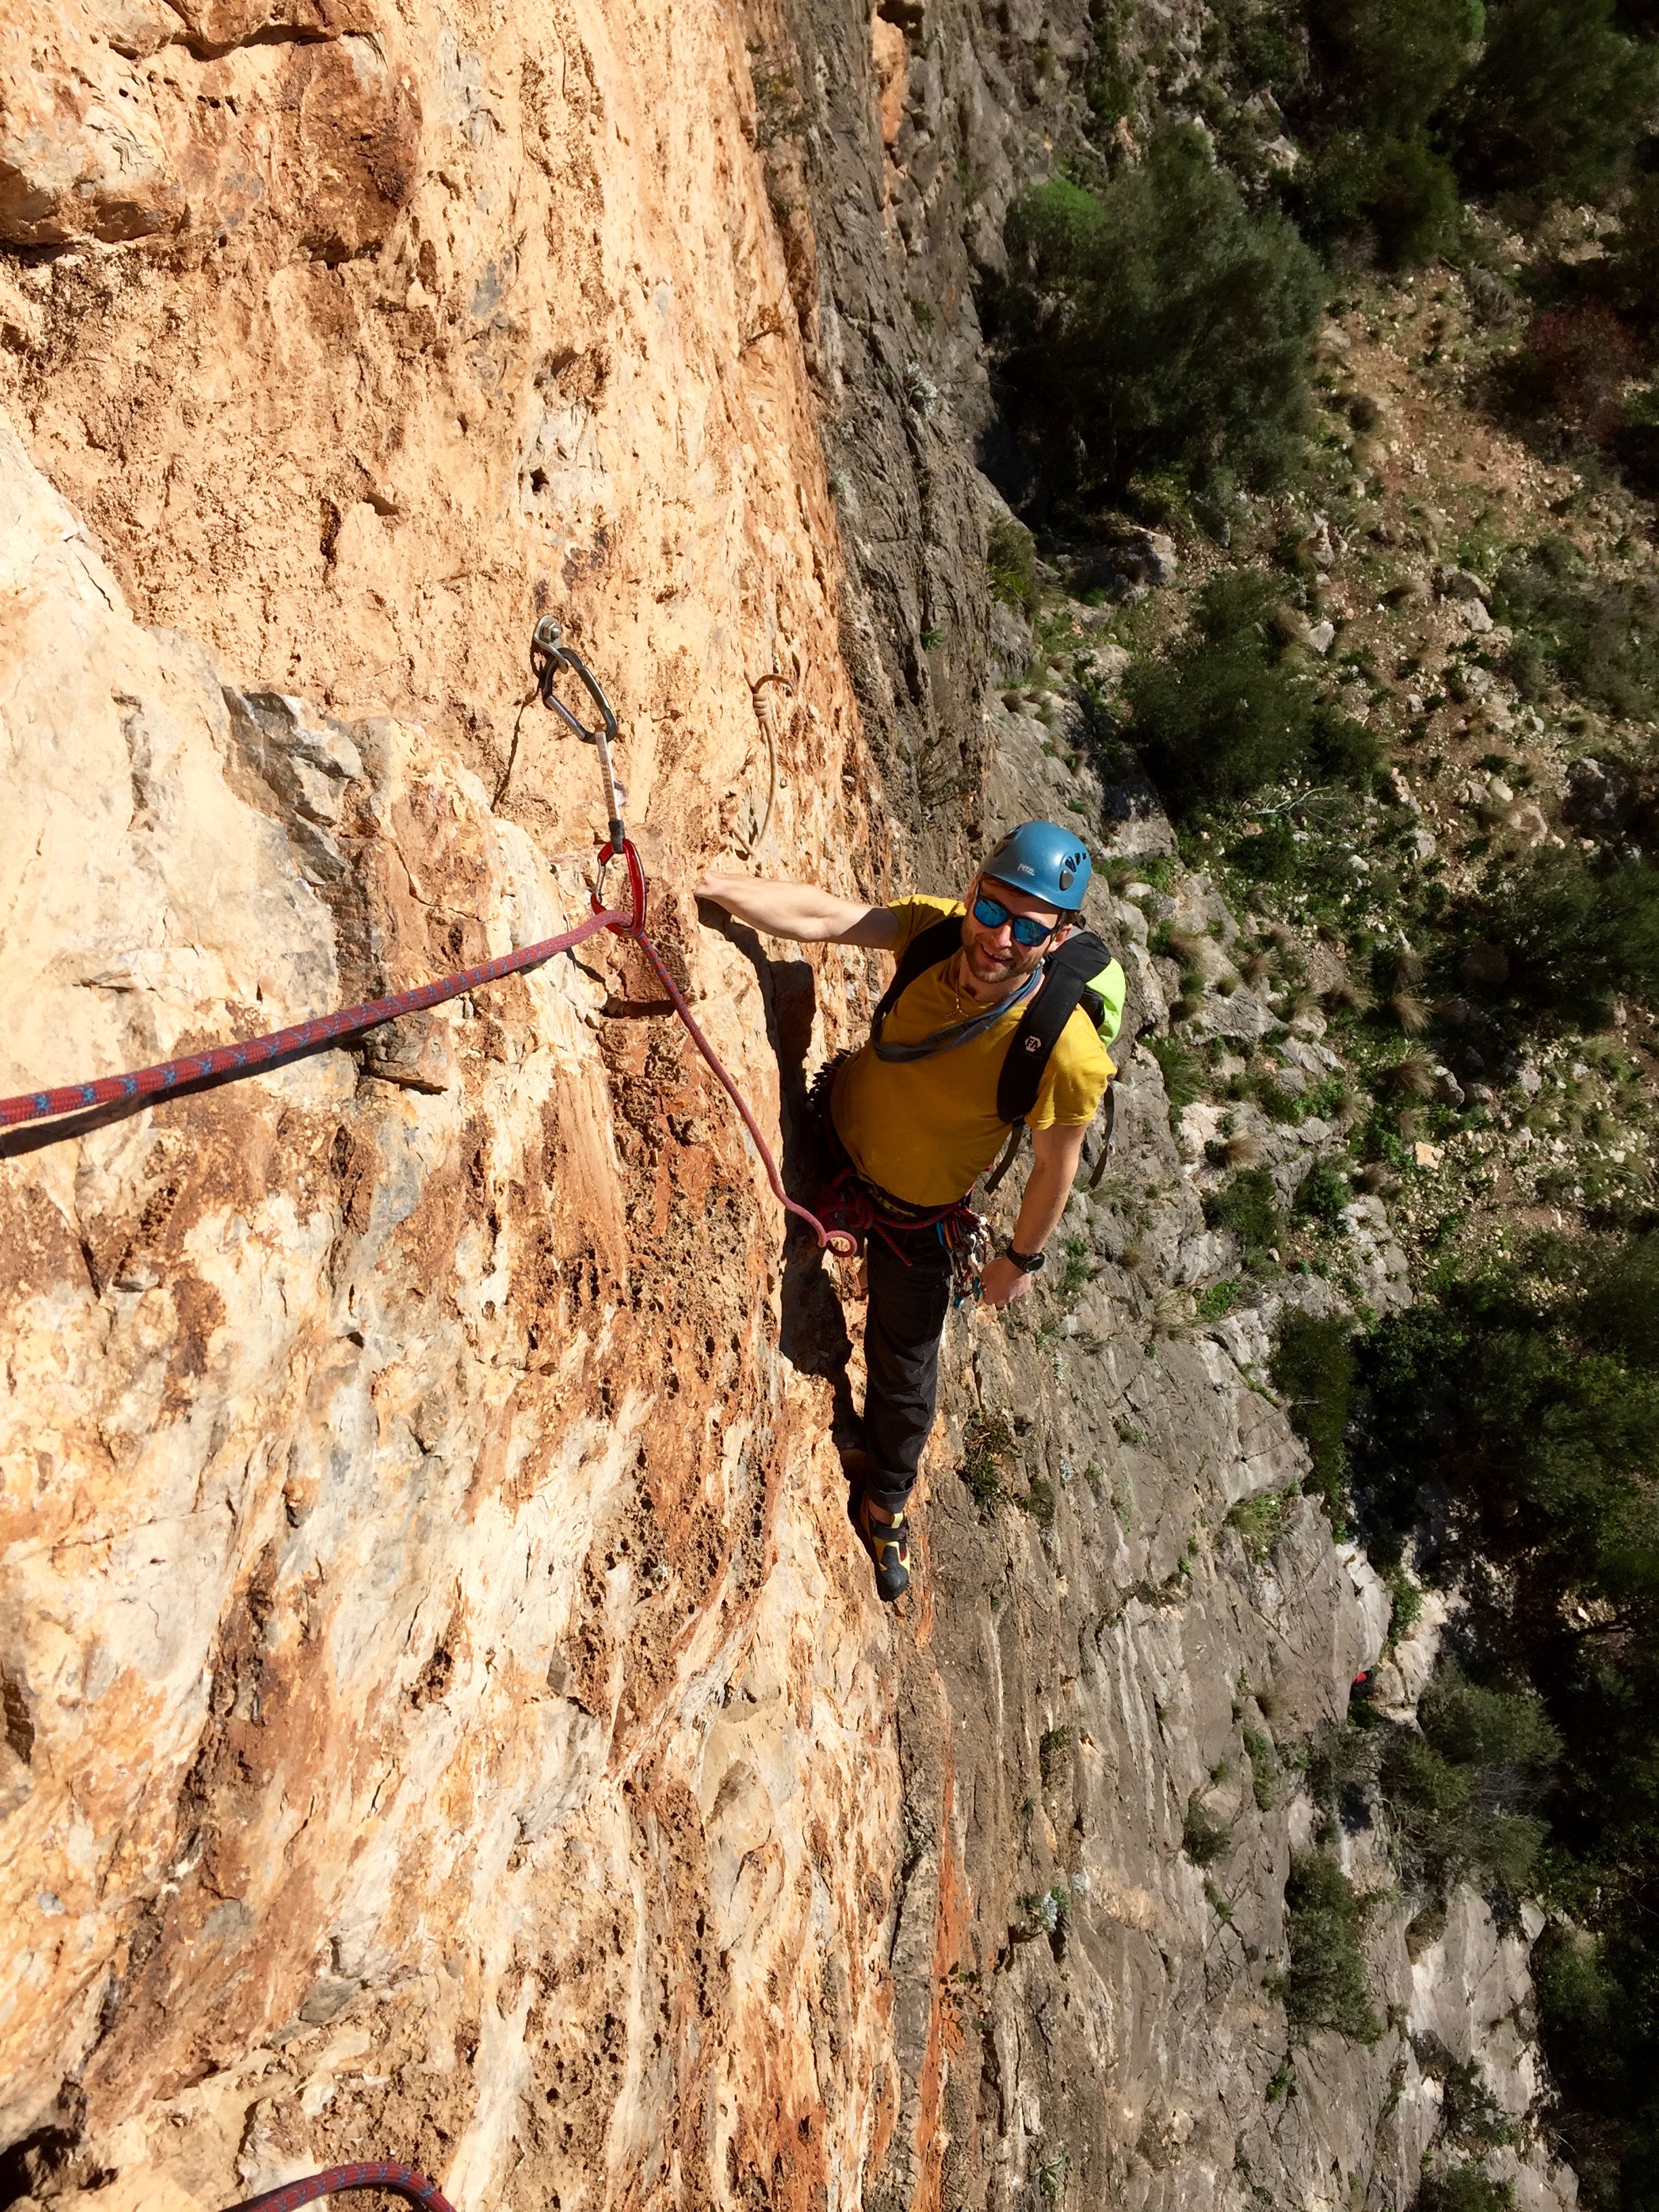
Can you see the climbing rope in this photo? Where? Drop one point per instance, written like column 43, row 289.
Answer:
column 548, row 654
column 376, row 2174
column 245, row 1059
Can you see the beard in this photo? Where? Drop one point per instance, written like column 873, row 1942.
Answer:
column 985, row 964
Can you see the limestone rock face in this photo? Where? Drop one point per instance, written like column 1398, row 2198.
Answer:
column 446, row 1713
column 438, row 1702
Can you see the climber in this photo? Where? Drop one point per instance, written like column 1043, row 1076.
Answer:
column 988, row 1022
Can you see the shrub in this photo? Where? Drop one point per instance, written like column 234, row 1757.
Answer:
column 1203, row 1840
column 1630, row 275
column 1259, row 1521
column 1158, row 326
column 1385, row 66
column 1270, row 858
column 1039, row 1501
column 1322, row 1194
column 1380, row 70
column 1246, row 1204
column 1398, row 190
column 1464, row 2188
column 1053, row 1749
column 1264, row 1767
column 1557, row 102
column 1326, row 1986
column 1579, row 359
column 1405, row 1602
column 987, row 1445
column 1470, row 2113
column 1488, row 1728
column 1223, row 716
column 1011, row 556
column 1183, row 1079
column 1578, row 2001
column 1312, row 1369
column 1575, row 937
column 1524, row 1399
column 1599, row 638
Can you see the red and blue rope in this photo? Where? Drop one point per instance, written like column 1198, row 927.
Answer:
column 372, row 2173
column 258, row 1052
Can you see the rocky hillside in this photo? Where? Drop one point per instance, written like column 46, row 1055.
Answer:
column 447, row 1716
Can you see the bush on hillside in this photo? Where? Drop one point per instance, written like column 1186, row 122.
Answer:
column 1458, row 1792
column 1599, row 638
column 1157, row 325
column 1385, row 66
column 1576, row 937
column 1223, row 715
column 1557, row 102
column 1523, row 1402
column 1575, row 366
column 1327, row 1985
column 1397, row 192
column 1466, row 2188
column 1379, row 70
column 1011, row 558
column 1248, row 1205
column 1313, row 1371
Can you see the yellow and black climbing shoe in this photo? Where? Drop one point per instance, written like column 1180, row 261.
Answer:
column 888, row 1544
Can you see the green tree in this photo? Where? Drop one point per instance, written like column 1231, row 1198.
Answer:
column 1222, row 716
column 1157, row 325
column 1558, row 101
column 1385, row 66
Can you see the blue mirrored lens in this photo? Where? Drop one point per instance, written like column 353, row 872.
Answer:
column 991, row 913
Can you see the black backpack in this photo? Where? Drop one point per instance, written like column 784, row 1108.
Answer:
column 1079, row 973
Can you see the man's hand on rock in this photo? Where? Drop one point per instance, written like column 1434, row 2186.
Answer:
column 1002, row 1283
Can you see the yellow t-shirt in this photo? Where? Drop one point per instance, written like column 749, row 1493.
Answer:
column 924, row 1129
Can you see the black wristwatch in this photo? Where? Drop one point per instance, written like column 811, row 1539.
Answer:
column 1027, row 1262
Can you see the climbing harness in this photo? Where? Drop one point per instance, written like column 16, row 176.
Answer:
column 549, row 656
column 852, row 1203
column 406, row 2181
column 971, row 1255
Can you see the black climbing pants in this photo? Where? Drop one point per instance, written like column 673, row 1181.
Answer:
column 907, row 1307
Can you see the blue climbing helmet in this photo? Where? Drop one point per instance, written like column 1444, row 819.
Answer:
column 1044, row 862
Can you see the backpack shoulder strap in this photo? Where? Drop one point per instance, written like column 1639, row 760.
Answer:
column 1071, row 972
column 928, row 948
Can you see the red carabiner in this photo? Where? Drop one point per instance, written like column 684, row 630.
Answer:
column 635, row 887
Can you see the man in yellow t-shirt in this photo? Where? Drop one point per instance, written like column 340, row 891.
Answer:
column 915, row 1114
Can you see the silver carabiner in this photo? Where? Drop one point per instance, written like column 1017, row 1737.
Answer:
column 549, row 653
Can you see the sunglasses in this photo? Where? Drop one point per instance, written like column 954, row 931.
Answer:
column 1025, row 929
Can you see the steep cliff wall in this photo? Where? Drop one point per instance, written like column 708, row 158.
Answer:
column 443, row 1704
column 446, row 1713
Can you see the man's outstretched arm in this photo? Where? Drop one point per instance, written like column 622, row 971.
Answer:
column 1056, row 1154
column 802, row 912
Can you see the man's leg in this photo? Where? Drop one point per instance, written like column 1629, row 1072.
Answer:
column 907, row 1307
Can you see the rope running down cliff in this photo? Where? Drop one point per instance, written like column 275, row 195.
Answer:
column 406, row 2181
column 548, row 656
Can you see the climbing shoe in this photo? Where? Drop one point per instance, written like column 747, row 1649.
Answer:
column 889, row 1547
